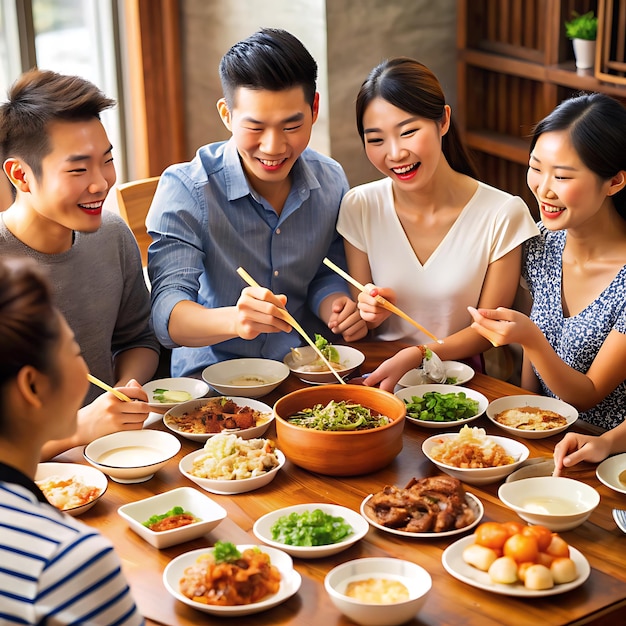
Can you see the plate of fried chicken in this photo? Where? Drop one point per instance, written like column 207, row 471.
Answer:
column 434, row 506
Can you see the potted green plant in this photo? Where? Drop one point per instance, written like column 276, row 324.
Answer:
column 583, row 30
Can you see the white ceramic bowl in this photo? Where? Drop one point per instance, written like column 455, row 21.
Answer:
column 169, row 419
column 263, row 530
column 608, row 472
column 195, row 387
column 554, row 501
column 89, row 476
column 414, row 577
column 193, row 501
column 228, row 487
column 484, row 475
column 454, row 369
column 349, row 357
column 541, row 402
column 289, row 584
column 419, row 390
column 249, row 378
column 132, row 456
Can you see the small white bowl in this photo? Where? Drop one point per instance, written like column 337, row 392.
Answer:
column 554, row 501
column 349, row 357
column 228, row 487
column 414, row 577
column 195, row 387
column 90, row 476
column 263, row 530
column 132, row 456
column 250, row 378
column 419, row 390
column 454, row 369
column 289, row 584
column 193, row 501
column 483, row 475
column 169, row 419
column 541, row 402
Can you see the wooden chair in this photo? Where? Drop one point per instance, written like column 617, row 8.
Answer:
column 134, row 200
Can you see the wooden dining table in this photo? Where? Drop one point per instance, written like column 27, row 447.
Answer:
column 600, row 600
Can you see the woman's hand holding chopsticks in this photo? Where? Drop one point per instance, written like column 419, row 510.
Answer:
column 371, row 309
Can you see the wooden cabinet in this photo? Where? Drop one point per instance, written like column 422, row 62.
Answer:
column 515, row 65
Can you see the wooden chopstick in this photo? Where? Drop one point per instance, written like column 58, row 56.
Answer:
column 382, row 301
column 292, row 322
column 103, row 385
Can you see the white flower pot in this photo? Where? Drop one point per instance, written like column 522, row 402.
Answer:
column 584, row 52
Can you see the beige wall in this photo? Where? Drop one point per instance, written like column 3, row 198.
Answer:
column 346, row 37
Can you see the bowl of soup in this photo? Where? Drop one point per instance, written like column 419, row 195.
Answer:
column 246, row 377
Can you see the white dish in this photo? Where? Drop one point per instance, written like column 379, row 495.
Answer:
column 193, row 501
column 453, row 369
column 90, row 476
column 472, row 501
column 228, row 487
column 349, row 357
column 485, row 475
column 246, row 433
column 132, row 456
column 194, row 387
column 452, row 560
column 541, row 402
column 251, row 378
column 289, row 584
column 263, row 530
column 609, row 470
column 419, row 390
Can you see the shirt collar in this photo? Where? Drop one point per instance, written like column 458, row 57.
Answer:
column 9, row 474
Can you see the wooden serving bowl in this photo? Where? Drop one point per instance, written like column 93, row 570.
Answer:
column 343, row 453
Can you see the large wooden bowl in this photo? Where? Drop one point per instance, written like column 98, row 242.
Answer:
column 340, row 453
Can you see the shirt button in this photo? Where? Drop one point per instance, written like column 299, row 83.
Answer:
column 278, row 231
column 275, row 272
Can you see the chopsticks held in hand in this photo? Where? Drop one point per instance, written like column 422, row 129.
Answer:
column 98, row 383
column 292, row 322
column 384, row 303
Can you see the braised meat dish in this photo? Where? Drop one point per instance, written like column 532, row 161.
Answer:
column 432, row 504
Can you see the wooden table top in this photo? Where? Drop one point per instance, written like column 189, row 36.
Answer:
column 600, row 600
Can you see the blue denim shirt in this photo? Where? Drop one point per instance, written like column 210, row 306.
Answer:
column 205, row 221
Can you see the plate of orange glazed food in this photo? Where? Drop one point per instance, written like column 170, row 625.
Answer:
column 232, row 580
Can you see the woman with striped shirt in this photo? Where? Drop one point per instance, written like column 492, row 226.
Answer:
column 55, row 570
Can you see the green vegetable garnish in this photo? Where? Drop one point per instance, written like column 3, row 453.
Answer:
column 335, row 415
column 225, row 552
column 441, row 407
column 329, row 351
column 310, row 528
column 177, row 510
column 170, row 395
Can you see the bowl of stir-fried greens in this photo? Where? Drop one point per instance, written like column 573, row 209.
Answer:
column 340, row 430
column 307, row 365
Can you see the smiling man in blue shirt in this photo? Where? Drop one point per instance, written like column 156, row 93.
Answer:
column 262, row 201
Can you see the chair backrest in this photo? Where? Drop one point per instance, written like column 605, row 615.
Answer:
column 134, row 200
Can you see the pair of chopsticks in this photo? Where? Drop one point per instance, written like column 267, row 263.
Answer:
column 99, row 383
column 382, row 301
column 292, row 322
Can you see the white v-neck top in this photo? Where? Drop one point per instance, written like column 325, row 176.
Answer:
column 438, row 292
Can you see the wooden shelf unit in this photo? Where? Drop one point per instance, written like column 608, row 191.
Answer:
column 515, row 65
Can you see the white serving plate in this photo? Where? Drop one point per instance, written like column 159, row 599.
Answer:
column 420, row 390
column 473, row 502
column 262, row 530
column 246, row 433
column 609, row 470
column 452, row 560
column 542, row 402
column 289, row 584
column 91, row 476
column 453, row 369
column 193, row 386
column 208, row 512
